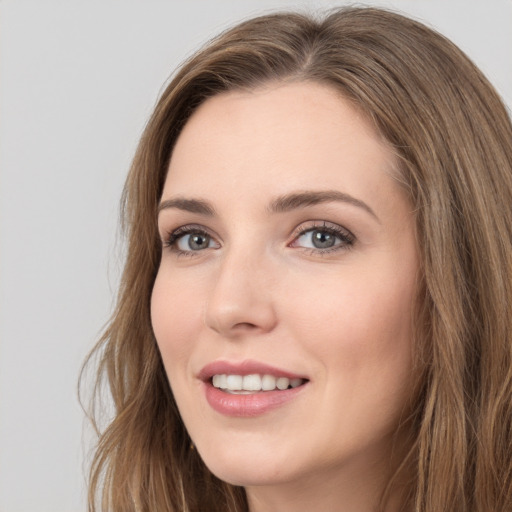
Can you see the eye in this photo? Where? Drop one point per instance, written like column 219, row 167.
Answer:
column 323, row 238
column 194, row 242
column 187, row 239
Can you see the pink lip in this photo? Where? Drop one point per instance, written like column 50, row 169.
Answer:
column 249, row 405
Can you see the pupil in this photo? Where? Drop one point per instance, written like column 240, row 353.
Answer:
column 198, row 242
column 322, row 240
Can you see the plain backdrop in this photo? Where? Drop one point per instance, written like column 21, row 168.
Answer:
column 78, row 80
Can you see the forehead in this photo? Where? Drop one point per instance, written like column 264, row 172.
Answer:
column 294, row 135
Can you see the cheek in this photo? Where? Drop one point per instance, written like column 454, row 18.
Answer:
column 353, row 307
column 175, row 316
column 356, row 324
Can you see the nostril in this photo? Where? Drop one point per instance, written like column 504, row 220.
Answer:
column 245, row 326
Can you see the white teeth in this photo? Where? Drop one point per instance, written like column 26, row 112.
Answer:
column 268, row 383
column 223, row 381
column 295, row 382
column 234, row 382
column 282, row 383
column 253, row 382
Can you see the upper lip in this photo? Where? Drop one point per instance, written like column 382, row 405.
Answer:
column 247, row 367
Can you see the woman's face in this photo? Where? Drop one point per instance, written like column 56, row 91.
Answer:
column 289, row 269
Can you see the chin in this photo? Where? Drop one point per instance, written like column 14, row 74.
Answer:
column 243, row 468
column 243, row 477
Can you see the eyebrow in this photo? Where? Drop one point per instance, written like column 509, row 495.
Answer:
column 281, row 204
column 188, row 205
column 297, row 200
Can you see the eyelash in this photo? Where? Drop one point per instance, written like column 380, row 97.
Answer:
column 346, row 238
column 173, row 237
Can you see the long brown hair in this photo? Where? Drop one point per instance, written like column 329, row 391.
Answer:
column 453, row 138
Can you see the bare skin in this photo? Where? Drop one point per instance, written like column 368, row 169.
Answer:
column 300, row 254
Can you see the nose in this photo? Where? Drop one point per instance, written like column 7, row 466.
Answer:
column 241, row 299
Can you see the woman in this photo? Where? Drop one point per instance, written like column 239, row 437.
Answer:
column 315, row 312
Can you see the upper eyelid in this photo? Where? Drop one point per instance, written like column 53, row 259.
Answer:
column 186, row 228
column 328, row 225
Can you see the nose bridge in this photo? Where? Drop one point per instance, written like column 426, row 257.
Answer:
column 241, row 297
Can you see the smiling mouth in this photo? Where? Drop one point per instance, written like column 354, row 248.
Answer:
column 253, row 383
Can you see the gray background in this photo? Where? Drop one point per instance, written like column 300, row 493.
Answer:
column 78, row 80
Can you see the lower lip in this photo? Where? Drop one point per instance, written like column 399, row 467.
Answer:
column 249, row 405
